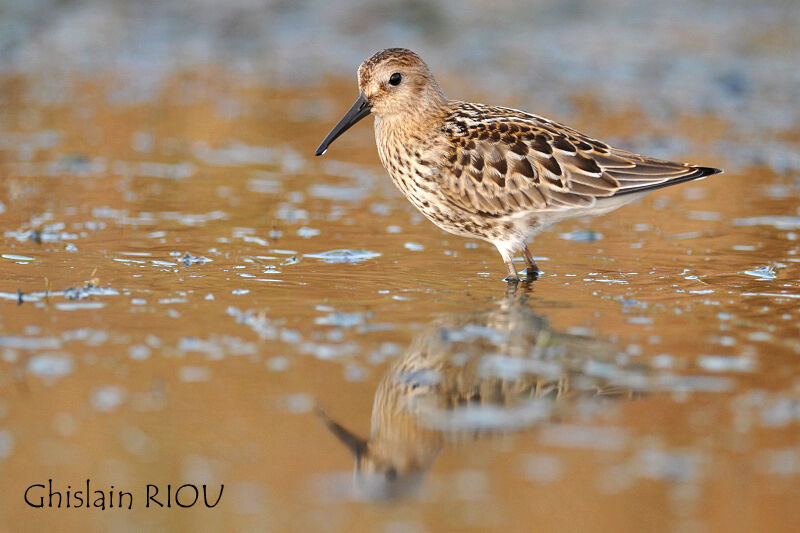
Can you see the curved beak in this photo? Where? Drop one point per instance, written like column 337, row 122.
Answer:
column 359, row 110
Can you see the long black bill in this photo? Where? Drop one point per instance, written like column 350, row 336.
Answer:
column 359, row 110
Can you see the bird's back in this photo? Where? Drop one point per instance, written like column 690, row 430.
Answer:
column 502, row 161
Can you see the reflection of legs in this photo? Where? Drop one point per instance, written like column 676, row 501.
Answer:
column 513, row 288
column 532, row 268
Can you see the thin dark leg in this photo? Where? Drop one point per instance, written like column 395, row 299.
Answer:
column 513, row 277
column 533, row 269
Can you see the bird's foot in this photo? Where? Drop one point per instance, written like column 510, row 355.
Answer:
column 532, row 274
column 513, row 276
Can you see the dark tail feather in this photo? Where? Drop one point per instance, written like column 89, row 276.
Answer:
column 699, row 172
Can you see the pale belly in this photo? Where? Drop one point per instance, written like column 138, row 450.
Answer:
column 424, row 195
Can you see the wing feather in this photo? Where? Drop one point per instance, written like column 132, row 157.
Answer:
column 500, row 161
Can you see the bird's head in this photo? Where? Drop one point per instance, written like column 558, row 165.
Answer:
column 394, row 84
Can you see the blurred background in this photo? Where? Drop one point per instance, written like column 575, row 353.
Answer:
column 730, row 59
column 183, row 284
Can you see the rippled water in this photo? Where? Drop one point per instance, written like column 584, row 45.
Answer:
column 189, row 296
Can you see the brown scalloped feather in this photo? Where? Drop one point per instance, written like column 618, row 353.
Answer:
column 512, row 161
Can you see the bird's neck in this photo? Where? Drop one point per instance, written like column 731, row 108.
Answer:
column 415, row 127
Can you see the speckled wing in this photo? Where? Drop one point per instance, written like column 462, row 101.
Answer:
column 504, row 161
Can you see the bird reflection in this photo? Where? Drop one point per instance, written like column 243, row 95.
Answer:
column 464, row 376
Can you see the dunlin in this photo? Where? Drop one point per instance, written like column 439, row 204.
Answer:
column 489, row 172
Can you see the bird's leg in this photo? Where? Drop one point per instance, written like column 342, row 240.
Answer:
column 532, row 269
column 513, row 277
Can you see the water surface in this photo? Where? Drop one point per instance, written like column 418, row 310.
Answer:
column 184, row 288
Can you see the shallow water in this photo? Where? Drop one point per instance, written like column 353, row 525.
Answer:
column 185, row 290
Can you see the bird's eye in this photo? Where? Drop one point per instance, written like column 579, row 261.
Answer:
column 395, row 78
column 391, row 474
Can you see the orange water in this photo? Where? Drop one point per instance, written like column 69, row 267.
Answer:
column 168, row 373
